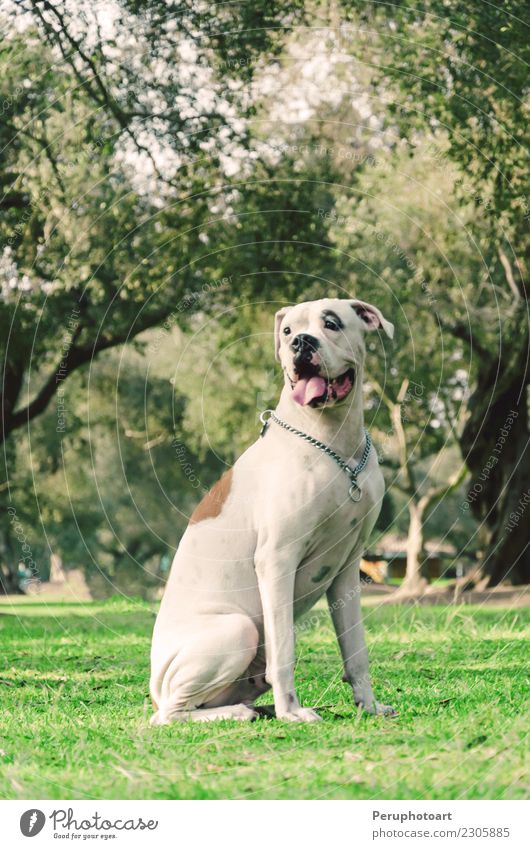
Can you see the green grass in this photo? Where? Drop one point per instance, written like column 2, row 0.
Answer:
column 74, row 712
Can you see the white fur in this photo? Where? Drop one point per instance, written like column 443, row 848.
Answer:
column 288, row 533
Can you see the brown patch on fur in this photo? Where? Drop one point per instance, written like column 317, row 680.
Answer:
column 155, row 706
column 212, row 503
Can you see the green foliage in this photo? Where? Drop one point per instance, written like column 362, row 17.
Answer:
column 481, row 96
column 113, row 488
column 468, row 95
column 115, row 161
column 460, row 72
column 192, row 169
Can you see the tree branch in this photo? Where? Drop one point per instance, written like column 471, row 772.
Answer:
column 505, row 262
column 104, row 95
column 77, row 356
column 394, row 408
column 382, row 394
column 463, row 332
column 436, row 493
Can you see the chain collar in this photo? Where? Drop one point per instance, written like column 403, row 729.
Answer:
column 355, row 491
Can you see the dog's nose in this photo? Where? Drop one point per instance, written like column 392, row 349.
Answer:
column 304, row 345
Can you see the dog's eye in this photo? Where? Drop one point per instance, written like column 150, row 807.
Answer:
column 329, row 324
column 286, row 331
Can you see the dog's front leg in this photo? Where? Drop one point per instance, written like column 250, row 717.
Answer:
column 276, row 575
column 344, row 600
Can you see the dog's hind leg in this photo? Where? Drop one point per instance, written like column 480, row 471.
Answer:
column 238, row 712
column 211, row 653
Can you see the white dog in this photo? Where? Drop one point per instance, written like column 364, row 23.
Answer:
column 284, row 526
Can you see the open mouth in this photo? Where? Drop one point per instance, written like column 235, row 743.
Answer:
column 310, row 388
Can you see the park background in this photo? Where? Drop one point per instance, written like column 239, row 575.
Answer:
column 172, row 173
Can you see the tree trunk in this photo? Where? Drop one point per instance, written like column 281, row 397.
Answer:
column 496, row 445
column 9, row 581
column 57, row 574
column 414, row 579
column 8, row 573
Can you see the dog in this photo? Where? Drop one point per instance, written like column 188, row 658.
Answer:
column 286, row 525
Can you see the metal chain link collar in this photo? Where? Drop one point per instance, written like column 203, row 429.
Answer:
column 355, row 491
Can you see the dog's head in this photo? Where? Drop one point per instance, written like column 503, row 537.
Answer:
column 320, row 345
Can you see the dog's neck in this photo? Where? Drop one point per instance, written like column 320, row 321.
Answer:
column 340, row 426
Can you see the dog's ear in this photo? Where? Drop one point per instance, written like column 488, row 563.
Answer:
column 278, row 318
column 372, row 318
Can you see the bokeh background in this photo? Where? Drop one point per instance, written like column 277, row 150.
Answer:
column 174, row 172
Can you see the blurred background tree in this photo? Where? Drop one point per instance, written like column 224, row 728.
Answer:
column 454, row 77
column 175, row 173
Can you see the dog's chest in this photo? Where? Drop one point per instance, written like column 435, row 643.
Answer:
column 336, row 537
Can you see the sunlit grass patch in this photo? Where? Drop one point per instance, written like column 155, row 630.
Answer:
column 74, row 711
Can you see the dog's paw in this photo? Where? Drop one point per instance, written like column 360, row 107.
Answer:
column 378, row 709
column 385, row 710
column 300, row 715
column 239, row 713
column 156, row 719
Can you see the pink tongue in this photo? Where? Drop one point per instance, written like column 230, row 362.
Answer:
column 306, row 389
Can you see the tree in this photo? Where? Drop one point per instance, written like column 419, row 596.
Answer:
column 80, row 234
column 420, row 499
column 396, row 226
column 113, row 153
column 112, row 493
column 469, row 88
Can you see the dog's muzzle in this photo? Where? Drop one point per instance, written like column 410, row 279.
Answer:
column 304, row 347
column 311, row 388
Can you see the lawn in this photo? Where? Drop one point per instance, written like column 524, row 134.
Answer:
column 74, row 712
